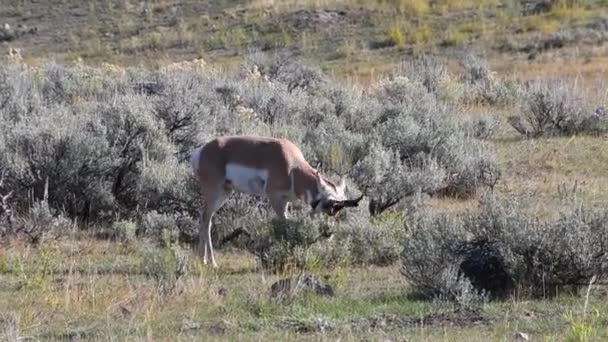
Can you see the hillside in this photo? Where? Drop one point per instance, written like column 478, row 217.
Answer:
column 347, row 38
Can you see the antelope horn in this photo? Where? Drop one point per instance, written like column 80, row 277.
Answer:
column 351, row 202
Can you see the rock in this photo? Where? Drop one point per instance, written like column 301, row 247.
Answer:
column 323, row 325
column 188, row 324
column 7, row 34
column 319, row 325
column 521, row 337
column 289, row 288
column 220, row 327
column 533, row 7
column 600, row 23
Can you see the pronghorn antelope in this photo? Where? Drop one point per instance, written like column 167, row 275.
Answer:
column 262, row 166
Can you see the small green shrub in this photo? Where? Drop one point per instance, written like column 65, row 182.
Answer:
column 161, row 227
column 166, row 266
column 356, row 239
column 408, row 7
column 396, row 36
column 363, row 240
column 286, row 243
column 455, row 37
column 124, row 230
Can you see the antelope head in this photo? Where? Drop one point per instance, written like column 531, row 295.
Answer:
column 332, row 198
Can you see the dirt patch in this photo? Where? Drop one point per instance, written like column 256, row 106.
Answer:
column 539, row 43
column 219, row 328
column 457, row 318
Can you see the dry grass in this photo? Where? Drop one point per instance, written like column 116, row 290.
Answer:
column 96, row 290
column 584, row 69
column 538, row 171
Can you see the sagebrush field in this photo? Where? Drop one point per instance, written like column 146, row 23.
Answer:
column 476, row 130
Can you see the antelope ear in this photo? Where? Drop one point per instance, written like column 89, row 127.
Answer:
column 341, row 187
column 319, row 181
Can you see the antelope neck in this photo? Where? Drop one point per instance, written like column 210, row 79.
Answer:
column 305, row 185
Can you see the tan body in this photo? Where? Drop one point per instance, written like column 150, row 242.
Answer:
column 263, row 166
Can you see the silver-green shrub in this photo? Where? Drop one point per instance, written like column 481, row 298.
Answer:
column 89, row 136
column 481, row 127
column 116, row 145
column 417, row 143
column 502, row 251
column 363, row 240
column 480, row 85
column 557, row 108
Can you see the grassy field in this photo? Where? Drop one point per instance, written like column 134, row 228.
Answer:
column 81, row 286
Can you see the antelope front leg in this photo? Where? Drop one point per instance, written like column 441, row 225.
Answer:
column 205, row 243
column 214, row 202
column 280, row 204
column 202, row 236
column 209, row 246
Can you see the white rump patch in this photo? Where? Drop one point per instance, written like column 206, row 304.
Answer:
column 195, row 158
column 247, row 179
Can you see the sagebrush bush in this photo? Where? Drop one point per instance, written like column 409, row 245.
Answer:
column 501, row 251
column 87, row 136
column 421, row 146
column 387, row 179
column 480, row 85
column 39, row 222
column 429, row 251
column 481, row 127
column 557, row 108
column 117, row 144
column 167, row 187
column 427, row 70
